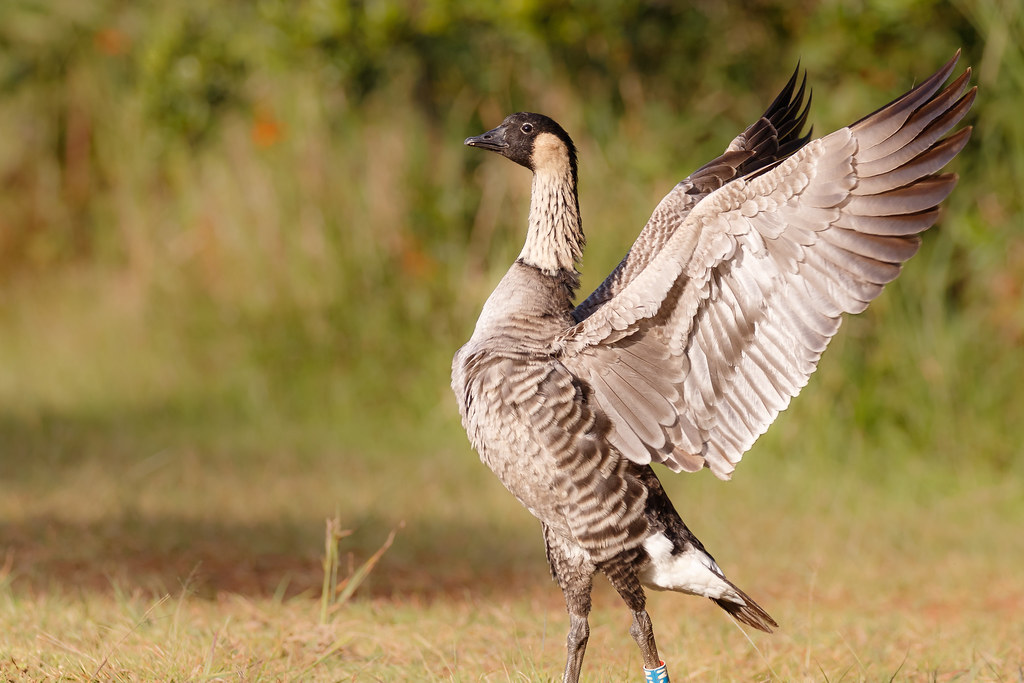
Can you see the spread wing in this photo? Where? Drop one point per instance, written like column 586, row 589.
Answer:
column 772, row 137
column 695, row 354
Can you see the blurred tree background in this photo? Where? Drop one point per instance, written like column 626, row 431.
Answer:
column 255, row 220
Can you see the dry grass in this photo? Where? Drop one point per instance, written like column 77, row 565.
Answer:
column 197, row 568
column 492, row 637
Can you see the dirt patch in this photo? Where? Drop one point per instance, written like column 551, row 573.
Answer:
column 209, row 558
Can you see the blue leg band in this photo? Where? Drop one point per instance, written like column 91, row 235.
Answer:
column 659, row 675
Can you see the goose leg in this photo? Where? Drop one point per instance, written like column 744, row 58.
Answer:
column 576, row 587
column 643, row 633
column 575, row 647
column 623, row 577
column 575, row 575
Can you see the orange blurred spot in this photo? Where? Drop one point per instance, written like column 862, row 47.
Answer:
column 266, row 130
column 415, row 262
column 111, row 42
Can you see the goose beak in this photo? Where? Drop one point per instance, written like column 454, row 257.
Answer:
column 493, row 140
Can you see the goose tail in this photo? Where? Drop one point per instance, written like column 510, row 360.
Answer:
column 684, row 566
column 743, row 609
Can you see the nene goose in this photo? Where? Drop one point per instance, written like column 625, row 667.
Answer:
column 687, row 352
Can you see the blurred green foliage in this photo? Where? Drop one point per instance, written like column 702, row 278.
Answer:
column 260, row 212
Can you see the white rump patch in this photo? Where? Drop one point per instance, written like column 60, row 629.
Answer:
column 691, row 571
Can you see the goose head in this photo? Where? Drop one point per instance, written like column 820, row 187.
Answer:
column 531, row 140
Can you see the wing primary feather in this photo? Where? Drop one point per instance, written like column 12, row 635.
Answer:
column 930, row 122
column 888, row 249
column 861, row 270
column 883, row 122
column 869, row 165
column 924, row 164
column 920, row 196
column 899, row 225
column 795, row 115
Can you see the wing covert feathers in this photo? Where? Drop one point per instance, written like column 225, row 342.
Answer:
column 718, row 316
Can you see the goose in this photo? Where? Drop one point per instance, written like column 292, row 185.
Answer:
column 708, row 327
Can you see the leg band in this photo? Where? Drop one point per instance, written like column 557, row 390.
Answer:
column 659, row 675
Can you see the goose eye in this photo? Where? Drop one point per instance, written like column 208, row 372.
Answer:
column 527, row 128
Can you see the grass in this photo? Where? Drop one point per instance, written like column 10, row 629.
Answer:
column 198, row 582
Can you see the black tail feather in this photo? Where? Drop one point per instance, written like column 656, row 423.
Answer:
column 749, row 613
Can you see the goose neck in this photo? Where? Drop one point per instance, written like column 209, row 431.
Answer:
column 554, row 241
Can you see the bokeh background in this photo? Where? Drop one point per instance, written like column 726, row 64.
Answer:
column 240, row 242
